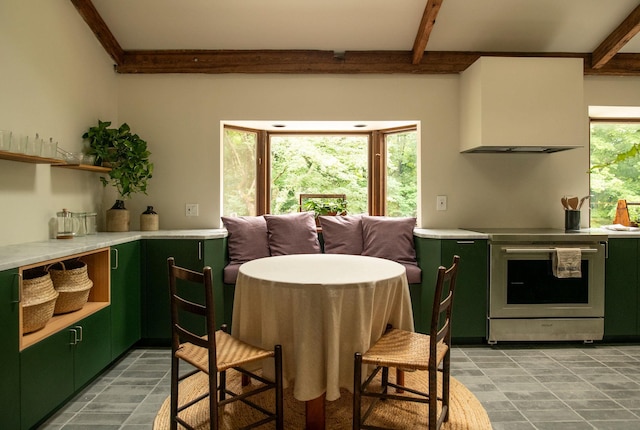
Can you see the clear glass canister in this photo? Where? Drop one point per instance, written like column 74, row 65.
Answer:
column 90, row 223
column 80, row 227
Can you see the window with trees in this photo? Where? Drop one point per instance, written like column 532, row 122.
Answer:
column 265, row 172
column 615, row 145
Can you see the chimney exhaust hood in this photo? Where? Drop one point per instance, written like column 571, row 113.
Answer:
column 523, row 105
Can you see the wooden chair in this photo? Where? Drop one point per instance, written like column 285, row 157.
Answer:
column 411, row 351
column 215, row 350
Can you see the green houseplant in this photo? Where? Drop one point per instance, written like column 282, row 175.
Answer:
column 326, row 207
column 128, row 157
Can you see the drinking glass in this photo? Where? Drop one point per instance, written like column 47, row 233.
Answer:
column 5, row 140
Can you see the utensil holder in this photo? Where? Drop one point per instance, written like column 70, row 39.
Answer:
column 571, row 220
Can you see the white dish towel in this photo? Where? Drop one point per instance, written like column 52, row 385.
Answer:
column 567, row 263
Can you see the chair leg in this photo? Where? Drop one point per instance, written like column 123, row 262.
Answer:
column 446, row 376
column 174, row 392
column 213, row 401
column 279, row 389
column 357, row 388
column 385, row 380
column 433, row 398
column 223, row 385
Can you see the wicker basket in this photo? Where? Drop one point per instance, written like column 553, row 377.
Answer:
column 38, row 299
column 71, row 281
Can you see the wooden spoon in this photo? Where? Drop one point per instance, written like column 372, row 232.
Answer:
column 565, row 205
column 573, row 203
column 582, row 201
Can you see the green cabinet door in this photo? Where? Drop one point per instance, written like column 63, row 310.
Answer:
column 126, row 297
column 46, row 371
column 9, row 345
column 621, row 289
column 93, row 350
column 58, row 365
column 469, row 320
column 156, row 317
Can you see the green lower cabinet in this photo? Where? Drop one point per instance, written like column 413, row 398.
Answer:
column 192, row 254
column 469, row 320
column 126, row 297
column 55, row 367
column 9, row 345
column 621, row 289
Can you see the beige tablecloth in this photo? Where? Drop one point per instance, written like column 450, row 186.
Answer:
column 322, row 308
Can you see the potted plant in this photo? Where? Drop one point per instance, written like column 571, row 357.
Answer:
column 326, row 207
column 128, row 157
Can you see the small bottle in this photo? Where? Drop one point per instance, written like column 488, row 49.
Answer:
column 149, row 220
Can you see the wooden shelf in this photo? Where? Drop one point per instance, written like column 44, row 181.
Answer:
column 87, row 167
column 99, row 271
column 24, row 158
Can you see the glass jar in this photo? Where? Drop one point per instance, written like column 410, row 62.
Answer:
column 91, row 223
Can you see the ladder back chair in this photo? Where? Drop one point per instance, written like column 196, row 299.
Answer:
column 409, row 351
column 212, row 353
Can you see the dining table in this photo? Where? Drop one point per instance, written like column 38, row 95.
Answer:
column 322, row 309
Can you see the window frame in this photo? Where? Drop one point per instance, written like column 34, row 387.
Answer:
column 377, row 159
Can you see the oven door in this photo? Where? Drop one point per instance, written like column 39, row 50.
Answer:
column 523, row 286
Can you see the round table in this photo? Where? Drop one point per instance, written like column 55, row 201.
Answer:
column 322, row 308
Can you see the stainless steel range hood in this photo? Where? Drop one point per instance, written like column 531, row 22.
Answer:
column 523, row 105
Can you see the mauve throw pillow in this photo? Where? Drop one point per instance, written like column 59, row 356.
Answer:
column 389, row 237
column 292, row 233
column 247, row 238
column 342, row 234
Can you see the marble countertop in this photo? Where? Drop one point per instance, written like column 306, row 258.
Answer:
column 23, row 254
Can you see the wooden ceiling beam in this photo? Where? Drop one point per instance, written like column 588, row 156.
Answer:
column 326, row 62
column 616, row 40
column 88, row 11
column 424, row 31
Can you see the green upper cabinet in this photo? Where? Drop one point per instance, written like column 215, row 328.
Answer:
column 469, row 320
column 126, row 297
column 9, row 345
column 192, row 254
column 621, row 289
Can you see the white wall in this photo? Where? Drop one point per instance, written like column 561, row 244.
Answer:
column 55, row 80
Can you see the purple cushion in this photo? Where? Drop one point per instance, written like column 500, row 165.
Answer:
column 342, row 234
column 389, row 237
column 230, row 273
column 247, row 238
column 414, row 273
column 294, row 233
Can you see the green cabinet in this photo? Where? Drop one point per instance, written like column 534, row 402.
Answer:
column 621, row 289
column 469, row 320
column 126, row 297
column 58, row 365
column 192, row 254
column 9, row 345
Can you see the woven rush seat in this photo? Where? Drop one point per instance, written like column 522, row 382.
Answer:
column 231, row 353
column 403, row 349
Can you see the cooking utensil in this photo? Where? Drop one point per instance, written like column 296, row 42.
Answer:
column 565, row 205
column 582, row 201
column 573, row 203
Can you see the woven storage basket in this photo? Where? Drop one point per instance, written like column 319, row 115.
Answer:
column 38, row 299
column 71, row 281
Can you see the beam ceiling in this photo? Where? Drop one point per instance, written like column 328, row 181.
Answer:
column 605, row 60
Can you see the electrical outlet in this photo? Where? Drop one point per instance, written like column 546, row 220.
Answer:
column 191, row 209
column 441, row 203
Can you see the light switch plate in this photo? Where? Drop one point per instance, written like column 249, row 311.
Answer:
column 441, row 203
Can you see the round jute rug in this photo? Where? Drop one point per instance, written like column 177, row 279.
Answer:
column 466, row 412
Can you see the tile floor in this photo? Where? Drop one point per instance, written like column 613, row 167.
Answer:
column 544, row 387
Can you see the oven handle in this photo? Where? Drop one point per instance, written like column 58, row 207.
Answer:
column 542, row 250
